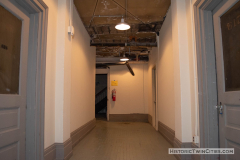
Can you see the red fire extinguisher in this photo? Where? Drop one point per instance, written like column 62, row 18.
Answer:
column 114, row 95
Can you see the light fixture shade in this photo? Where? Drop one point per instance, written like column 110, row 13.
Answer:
column 122, row 26
column 124, row 59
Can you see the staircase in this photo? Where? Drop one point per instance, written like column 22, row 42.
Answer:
column 101, row 100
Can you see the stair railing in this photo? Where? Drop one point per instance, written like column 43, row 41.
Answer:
column 101, row 95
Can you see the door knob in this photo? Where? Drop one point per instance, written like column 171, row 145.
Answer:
column 220, row 108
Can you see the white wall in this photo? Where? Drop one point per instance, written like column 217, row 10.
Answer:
column 193, row 67
column 49, row 131
column 83, row 76
column 132, row 91
column 162, row 58
column 185, row 75
column 63, row 74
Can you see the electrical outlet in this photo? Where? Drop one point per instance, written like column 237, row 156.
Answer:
column 196, row 139
column 71, row 30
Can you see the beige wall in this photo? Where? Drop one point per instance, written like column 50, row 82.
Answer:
column 152, row 63
column 70, row 75
column 177, row 84
column 165, row 73
column 83, row 76
column 132, row 91
column 177, row 72
column 49, row 131
column 162, row 58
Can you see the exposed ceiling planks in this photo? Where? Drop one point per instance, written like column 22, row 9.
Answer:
column 144, row 16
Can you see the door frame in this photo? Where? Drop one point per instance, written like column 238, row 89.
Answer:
column 155, row 110
column 206, row 68
column 207, row 74
column 223, row 8
column 37, row 11
column 107, row 72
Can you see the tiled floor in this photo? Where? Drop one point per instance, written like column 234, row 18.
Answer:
column 122, row 141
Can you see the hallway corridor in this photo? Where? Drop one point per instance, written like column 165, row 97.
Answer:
column 122, row 141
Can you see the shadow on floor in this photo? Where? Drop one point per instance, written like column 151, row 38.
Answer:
column 101, row 116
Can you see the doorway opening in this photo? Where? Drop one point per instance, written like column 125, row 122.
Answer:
column 101, row 97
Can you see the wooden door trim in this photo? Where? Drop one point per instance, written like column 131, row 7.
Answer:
column 154, row 115
column 38, row 12
column 207, row 79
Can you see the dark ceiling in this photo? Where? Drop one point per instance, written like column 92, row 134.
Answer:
column 144, row 16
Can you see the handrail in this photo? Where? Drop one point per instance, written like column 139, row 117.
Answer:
column 103, row 90
column 101, row 95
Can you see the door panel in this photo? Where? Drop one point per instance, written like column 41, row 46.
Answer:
column 14, row 31
column 10, row 152
column 227, row 40
column 236, row 150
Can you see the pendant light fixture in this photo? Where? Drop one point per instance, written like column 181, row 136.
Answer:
column 123, row 26
column 124, row 58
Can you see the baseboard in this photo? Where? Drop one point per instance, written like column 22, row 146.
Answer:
column 64, row 151
column 166, row 132
column 82, row 131
column 150, row 119
column 169, row 135
column 128, row 118
column 179, row 144
column 195, row 156
column 50, row 152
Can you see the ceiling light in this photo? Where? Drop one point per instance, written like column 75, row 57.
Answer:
column 124, row 58
column 122, row 26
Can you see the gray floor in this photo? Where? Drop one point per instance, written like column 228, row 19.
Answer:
column 122, row 141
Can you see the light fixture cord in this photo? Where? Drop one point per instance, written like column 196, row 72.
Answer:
column 126, row 21
column 70, row 13
column 126, row 10
column 143, row 91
